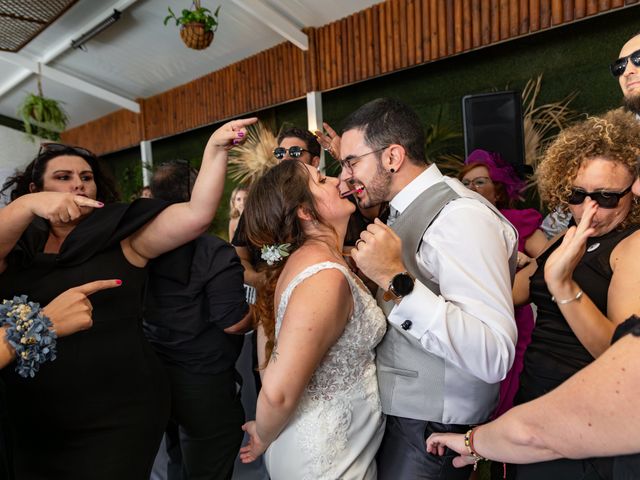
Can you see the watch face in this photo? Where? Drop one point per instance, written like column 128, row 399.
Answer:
column 402, row 284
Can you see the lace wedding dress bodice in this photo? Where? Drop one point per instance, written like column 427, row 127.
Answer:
column 338, row 425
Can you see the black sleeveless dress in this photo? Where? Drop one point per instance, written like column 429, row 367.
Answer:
column 555, row 353
column 99, row 410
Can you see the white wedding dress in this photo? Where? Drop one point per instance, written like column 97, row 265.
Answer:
column 338, row 425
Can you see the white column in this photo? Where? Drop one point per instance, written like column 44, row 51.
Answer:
column 314, row 117
column 146, row 158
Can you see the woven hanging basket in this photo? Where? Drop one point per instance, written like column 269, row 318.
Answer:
column 194, row 36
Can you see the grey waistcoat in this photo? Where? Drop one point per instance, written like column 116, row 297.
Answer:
column 412, row 380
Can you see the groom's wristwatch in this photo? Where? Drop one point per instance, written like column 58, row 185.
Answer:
column 400, row 286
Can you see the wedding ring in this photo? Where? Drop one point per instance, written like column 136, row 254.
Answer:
column 358, row 242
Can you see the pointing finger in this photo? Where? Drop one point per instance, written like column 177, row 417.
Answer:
column 93, row 287
column 243, row 122
column 87, row 202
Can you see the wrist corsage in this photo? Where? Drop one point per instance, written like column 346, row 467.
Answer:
column 29, row 333
column 274, row 253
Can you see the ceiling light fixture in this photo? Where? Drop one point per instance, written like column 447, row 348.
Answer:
column 89, row 34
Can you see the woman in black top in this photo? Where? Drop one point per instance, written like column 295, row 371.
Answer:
column 98, row 411
column 589, row 170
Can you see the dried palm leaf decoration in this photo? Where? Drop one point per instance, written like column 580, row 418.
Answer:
column 254, row 157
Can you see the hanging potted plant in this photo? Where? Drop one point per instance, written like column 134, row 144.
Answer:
column 42, row 117
column 197, row 25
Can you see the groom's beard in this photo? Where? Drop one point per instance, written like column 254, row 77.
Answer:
column 632, row 103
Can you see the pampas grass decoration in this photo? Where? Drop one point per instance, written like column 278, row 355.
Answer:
column 254, row 157
column 543, row 123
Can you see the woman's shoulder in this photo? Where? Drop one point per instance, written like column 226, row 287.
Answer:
column 310, row 262
column 628, row 246
column 106, row 227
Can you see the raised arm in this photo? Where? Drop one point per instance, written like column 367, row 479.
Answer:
column 315, row 317
column 57, row 208
column 593, row 414
column 593, row 328
column 182, row 222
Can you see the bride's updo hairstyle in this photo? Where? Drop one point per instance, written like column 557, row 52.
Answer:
column 271, row 218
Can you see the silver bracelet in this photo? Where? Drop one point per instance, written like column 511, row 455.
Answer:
column 569, row 300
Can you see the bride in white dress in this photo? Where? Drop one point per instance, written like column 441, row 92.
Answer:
column 318, row 414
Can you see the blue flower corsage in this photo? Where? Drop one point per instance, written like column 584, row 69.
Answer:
column 29, row 333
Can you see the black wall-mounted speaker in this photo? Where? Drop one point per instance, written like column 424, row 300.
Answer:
column 493, row 122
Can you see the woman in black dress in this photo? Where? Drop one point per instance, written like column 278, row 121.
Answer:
column 99, row 410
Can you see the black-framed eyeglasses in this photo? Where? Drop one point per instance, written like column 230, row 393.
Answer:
column 620, row 65
column 603, row 199
column 61, row 147
column 348, row 163
column 294, row 152
column 478, row 182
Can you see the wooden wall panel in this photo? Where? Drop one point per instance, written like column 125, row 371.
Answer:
column 386, row 37
column 110, row 133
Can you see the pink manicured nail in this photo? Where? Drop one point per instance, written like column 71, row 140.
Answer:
column 100, row 204
column 241, row 134
column 235, row 142
column 118, row 282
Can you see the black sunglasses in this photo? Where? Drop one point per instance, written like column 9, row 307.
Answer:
column 294, row 152
column 603, row 199
column 61, row 147
column 620, row 65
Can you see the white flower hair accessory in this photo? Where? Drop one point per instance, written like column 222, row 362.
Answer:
column 274, row 253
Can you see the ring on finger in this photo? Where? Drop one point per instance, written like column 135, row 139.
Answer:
column 358, row 242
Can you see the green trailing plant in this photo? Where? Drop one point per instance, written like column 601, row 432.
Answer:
column 42, row 117
column 197, row 14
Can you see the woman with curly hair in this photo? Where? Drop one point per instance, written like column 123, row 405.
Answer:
column 589, row 170
column 318, row 413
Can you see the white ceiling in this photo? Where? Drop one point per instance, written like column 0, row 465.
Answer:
column 139, row 57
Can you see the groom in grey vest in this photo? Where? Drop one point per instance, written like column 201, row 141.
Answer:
column 444, row 271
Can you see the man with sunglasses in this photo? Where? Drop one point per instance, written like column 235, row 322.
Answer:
column 627, row 70
column 444, row 272
column 298, row 144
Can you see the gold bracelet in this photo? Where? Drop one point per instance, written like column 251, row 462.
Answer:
column 468, row 442
column 568, row 300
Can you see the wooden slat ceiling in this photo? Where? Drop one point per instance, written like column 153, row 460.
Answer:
column 21, row 21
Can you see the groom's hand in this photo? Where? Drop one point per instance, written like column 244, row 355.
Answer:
column 378, row 253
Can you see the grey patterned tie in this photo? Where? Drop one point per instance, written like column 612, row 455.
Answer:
column 393, row 215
